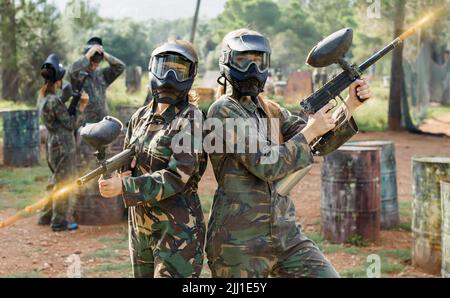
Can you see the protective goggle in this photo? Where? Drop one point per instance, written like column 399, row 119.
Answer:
column 243, row 60
column 182, row 67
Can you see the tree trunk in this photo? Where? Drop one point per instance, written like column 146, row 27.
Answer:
column 194, row 24
column 397, row 75
column 9, row 69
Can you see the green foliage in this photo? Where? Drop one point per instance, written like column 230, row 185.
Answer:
column 32, row 274
column 38, row 36
column 21, row 187
column 104, row 254
column 405, row 210
column 357, row 240
column 404, row 255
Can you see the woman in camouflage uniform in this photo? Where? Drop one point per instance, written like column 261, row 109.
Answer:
column 60, row 142
column 166, row 225
column 252, row 231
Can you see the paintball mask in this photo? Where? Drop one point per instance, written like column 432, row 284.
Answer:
column 52, row 70
column 245, row 62
column 98, row 57
column 173, row 68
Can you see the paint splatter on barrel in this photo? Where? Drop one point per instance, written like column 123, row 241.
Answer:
column 21, row 138
column 445, row 216
column 390, row 218
column 350, row 194
column 427, row 173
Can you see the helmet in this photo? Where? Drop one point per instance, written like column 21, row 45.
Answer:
column 98, row 57
column 244, row 62
column 52, row 70
column 172, row 66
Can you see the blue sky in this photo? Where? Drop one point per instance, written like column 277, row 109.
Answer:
column 153, row 9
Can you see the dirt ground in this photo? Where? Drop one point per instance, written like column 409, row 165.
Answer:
column 29, row 250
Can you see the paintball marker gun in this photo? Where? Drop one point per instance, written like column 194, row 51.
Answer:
column 77, row 94
column 99, row 136
column 332, row 50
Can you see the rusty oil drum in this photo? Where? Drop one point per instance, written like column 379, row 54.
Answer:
column 21, row 142
column 390, row 218
column 427, row 173
column 350, row 194
column 95, row 210
column 445, row 203
column 90, row 208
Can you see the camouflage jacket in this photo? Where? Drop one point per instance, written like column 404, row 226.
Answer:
column 61, row 140
column 55, row 116
column 247, row 211
column 164, row 183
column 96, row 86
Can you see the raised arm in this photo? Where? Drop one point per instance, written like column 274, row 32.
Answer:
column 114, row 70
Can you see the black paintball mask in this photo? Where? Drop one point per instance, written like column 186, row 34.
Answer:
column 54, row 69
column 172, row 69
column 98, row 57
column 245, row 62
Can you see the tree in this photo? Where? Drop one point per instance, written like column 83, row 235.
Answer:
column 259, row 15
column 9, row 67
column 194, row 23
column 397, row 75
column 38, row 33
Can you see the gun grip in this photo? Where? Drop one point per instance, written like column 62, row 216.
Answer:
column 334, row 139
column 361, row 100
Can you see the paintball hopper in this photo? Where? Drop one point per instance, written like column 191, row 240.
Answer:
column 102, row 133
column 332, row 49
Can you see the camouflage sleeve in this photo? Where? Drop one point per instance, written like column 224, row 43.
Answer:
column 80, row 65
column 165, row 183
column 290, row 124
column 59, row 111
column 115, row 69
column 269, row 162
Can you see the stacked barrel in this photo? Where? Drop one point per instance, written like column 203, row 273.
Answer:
column 430, row 222
column 21, row 138
column 350, row 194
column 359, row 191
column 445, row 196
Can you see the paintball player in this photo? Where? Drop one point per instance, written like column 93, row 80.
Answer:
column 60, row 142
column 252, row 230
column 166, row 224
column 95, row 85
column 99, row 80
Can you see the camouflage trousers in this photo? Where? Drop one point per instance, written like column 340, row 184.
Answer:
column 273, row 247
column 60, row 159
column 158, row 252
column 304, row 260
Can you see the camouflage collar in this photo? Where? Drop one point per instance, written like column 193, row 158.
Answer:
column 250, row 105
column 168, row 115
